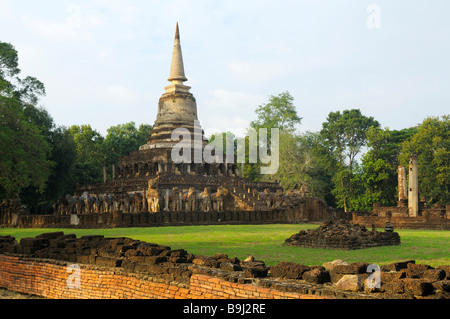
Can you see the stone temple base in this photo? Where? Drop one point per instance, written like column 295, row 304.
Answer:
column 342, row 235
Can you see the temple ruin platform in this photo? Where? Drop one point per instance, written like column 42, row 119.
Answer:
column 344, row 235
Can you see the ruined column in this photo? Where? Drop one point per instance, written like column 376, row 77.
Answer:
column 413, row 191
column 104, row 173
column 402, row 190
column 166, row 201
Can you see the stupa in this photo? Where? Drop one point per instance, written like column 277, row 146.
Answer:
column 153, row 164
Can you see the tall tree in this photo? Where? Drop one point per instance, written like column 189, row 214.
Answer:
column 24, row 155
column 345, row 135
column 431, row 145
column 64, row 156
column 379, row 168
column 302, row 163
column 28, row 89
column 123, row 139
column 279, row 112
column 90, row 155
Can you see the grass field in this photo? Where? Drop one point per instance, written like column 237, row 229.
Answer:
column 265, row 242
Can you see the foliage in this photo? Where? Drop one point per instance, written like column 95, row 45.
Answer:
column 320, row 177
column 24, row 152
column 89, row 154
column 63, row 154
column 378, row 176
column 24, row 155
column 344, row 134
column 304, row 161
column 122, row 139
column 27, row 90
column 295, row 161
column 93, row 151
column 431, row 145
column 279, row 112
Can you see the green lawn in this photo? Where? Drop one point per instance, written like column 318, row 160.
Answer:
column 265, row 242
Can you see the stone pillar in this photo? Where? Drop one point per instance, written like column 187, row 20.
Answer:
column 166, row 201
column 402, row 189
column 413, row 191
column 104, row 174
column 113, row 171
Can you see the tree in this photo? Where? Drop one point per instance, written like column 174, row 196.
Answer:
column 431, row 145
column 344, row 134
column 294, row 162
column 27, row 90
column 90, row 155
column 123, row 139
column 379, row 168
column 63, row 154
column 320, row 176
column 279, row 112
column 302, row 162
column 25, row 151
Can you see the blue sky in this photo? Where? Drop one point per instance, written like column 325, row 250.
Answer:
column 106, row 62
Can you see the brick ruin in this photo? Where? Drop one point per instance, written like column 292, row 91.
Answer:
column 48, row 264
column 342, row 234
column 411, row 211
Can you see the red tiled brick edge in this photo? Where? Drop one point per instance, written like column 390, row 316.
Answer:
column 49, row 279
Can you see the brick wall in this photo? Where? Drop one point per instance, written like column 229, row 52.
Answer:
column 57, row 280
column 311, row 209
column 421, row 222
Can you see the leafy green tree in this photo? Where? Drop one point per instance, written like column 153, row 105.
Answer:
column 122, row 139
column 344, row 134
column 294, row 161
column 431, row 145
column 279, row 112
column 25, row 151
column 320, row 176
column 378, row 174
column 302, row 162
column 63, row 154
column 90, row 155
column 27, row 90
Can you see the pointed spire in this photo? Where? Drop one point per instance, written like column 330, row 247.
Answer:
column 177, row 33
column 177, row 68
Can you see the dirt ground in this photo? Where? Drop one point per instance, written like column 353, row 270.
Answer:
column 6, row 294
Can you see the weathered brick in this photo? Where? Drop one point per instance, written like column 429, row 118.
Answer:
column 418, row 287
